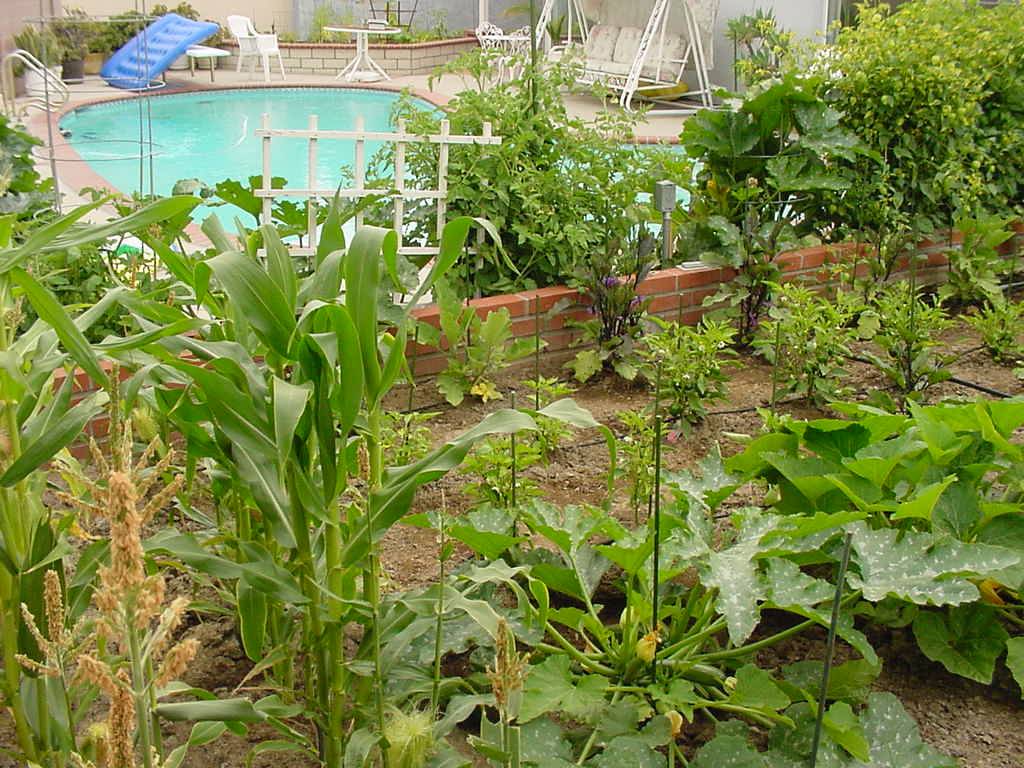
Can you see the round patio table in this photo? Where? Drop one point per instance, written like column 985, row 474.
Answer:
column 362, row 68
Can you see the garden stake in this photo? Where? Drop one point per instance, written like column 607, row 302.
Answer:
column 512, row 443
column 657, row 539
column 435, row 692
column 655, row 501
column 536, row 352
column 775, row 364
column 830, row 647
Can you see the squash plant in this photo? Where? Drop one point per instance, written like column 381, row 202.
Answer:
column 939, row 499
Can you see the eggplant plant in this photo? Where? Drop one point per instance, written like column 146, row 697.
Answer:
column 39, row 419
column 283, row 395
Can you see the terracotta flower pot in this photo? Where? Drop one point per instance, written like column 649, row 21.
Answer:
column 94, row 63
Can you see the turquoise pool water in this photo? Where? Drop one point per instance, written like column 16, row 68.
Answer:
column 209, row 135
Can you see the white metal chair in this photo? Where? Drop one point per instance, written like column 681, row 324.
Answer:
column 508, row 49
column 254, row 44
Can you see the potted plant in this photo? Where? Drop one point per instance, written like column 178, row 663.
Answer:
column 44, row 45
column 73, row 32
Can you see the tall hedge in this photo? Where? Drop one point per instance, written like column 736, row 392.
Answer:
column 937, row 88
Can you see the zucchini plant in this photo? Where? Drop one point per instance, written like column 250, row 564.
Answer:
column 937, row 497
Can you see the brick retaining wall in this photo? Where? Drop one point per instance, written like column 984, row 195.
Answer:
column 676, row 293
column 397, row 59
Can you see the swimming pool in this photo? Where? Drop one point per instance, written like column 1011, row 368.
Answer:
column 209, row 135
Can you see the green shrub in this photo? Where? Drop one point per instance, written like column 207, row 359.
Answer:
column 766, row 169
column 807, row 338
column 22, row 191
column 558, row 188
column 937, row 90
column 1001, row 326
column 686, row 365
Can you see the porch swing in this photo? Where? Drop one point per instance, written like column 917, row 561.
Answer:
column 641, row 49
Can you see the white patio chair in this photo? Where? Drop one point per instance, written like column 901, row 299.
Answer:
column 255, row 45
column 508, row 49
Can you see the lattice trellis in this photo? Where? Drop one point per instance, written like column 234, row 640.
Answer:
column 399, row 193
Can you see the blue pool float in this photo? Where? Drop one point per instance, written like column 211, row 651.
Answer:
column 148, row 55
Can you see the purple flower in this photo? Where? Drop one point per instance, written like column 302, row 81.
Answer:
column 635, row 302
column 611, row 282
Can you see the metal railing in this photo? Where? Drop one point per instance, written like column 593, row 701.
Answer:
column 49, row 93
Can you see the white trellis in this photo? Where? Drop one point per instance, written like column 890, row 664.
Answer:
column 400, row 192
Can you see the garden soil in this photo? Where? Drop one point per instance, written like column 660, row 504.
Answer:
column 982, row 726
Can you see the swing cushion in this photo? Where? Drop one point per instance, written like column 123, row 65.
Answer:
column 600, row 45
column 671, row 60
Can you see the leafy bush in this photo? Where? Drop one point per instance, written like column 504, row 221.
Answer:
column 636, row 448
column 550, row 432
column 22, row 191
column 558, row 188
column 908, row 340
column 477, row 349
column 807, row 338
column 976, row 267
column 764, row 168
column 1001, row 325
column 934, row 89
column 686, row 365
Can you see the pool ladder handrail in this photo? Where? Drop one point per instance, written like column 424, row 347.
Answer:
column 56, row 93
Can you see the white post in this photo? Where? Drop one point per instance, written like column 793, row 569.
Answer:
column 360, row 170
column 399, row 202
column 311, row 183
column 484, row 14
column 442, row 175
column 267, row 185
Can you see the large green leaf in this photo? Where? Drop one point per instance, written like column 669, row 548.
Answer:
column 966, row 639
column 51, row 311
column 59, row 433
column 255, row 295
column 1015, row 660
column 362, row 280
column 920, row 567
column 551, row 687
column 894, row 739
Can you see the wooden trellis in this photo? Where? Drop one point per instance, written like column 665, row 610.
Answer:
column 399, row 193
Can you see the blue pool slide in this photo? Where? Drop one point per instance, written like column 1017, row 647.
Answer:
column 148, row 55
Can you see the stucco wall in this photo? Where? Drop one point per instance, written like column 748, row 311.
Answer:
column 14, row 13
column 266, row 14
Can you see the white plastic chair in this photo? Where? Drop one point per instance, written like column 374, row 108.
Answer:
column 252, row 43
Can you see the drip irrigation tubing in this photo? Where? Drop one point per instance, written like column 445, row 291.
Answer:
column 954, row 379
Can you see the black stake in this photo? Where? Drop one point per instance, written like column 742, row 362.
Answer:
column 512, row 441
column 536, row 352
column 830, row 647
column 655, row 500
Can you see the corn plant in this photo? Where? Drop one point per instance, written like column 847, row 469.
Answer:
column 291, row 387
column 38, row 419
